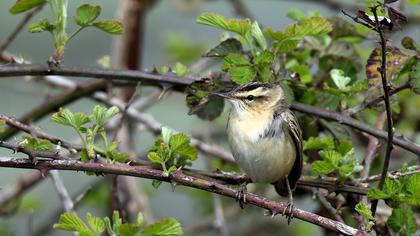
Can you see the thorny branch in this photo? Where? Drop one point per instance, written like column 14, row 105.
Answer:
column 386, row 88
column 180, row 178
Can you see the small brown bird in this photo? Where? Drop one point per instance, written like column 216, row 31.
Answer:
column 265, row 138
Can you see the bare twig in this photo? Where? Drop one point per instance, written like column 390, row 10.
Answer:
column 327, row 205
column 180, row 178
column 32, row 154
column 9, row 39
column 62, row 191
column 390, row 126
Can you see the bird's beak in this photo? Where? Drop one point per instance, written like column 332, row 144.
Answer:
column 224, row 95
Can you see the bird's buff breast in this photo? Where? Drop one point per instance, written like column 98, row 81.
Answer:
column 263, row 159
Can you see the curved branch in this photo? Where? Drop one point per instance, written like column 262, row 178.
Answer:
column 179, row 177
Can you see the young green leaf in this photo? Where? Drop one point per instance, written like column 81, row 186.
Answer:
column 41, row 26
column 375, row 193
column 71, row 222
column 258, row 36
column 412, row 189
column 286, row 41
column 155, row 158
column 230, row 45
column 110, row 26
column 86, row 14
column 180, row 69
column 37, row 144
column 219, row 21
column 326, row 143
column 402, row 221
column 102, row 114
column 25, row 5
column 364, row 211
column 340, row 80
column 322, row 167
column 96, row 224
column 239, row 68
column 296, row 14
column 180, row 143
column 166, row 134
column 164, row 227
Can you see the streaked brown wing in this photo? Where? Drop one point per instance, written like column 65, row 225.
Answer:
column 291, row 125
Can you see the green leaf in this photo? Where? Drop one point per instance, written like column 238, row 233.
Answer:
column 180, row 69
column 392, row 186
column 296, row 14
column 200, row 101
column 41, row 26
column 37, row 144
column 86, row 14
column 375, row 193
column 331, row 156
column 66, row 117
column 409, row 43
column 84, row 155
column 304, row 73
column 340, row 80
column 71, row 222
column 258, row 36
column 164, row 227
column 96, row 224
column 102, row 114
column 242, row 74
column 362, row 209
column 265, row 58
column 156, row 183
column 155, row 158
column 402, row 221
column 180, row 143
column 129, row 229
column 110, row 26
column 166, row 134
column 239, row 68
column 414, row 77
column 219, row 21
column 323, row 143
column 25, row 5
column 163, row 70
column 288, row 39
column 412, row 189
column 322, row 167
column 230, row 45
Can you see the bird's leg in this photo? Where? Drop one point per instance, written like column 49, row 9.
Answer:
column 288, row 211
column 241, row 194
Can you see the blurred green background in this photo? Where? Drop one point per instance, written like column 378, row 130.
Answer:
column 170, row 24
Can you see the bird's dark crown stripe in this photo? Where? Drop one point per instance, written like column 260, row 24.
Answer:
column 250, row 87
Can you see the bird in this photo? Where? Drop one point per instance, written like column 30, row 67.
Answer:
column 265, row 138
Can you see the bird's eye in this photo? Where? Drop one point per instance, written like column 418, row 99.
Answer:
column 250, row 97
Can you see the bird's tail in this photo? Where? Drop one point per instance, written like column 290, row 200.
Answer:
column 281, row 187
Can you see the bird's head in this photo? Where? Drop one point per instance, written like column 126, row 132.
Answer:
column 255, row 97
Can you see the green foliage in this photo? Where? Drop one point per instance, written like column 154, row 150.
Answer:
column 402, row 221
column 336, row 158
column 414, row 77
column 198, row 98
column 287, row 40
column 86, row 15
column 71, row 222
column 397, row 191
column 239, row 68
column 225, row 48
column 25, row 5
column 36, row 144
column 88, row 128
column 339, row 78
column 365, row 212
column 172, row 151
column 180, row 69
